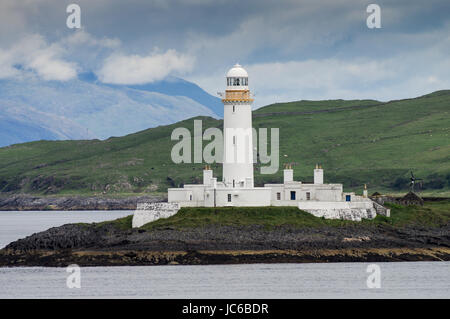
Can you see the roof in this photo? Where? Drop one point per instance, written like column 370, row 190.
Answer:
column 237, row 71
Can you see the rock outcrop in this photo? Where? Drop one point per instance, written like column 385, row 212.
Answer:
column 109, row 244
column 29, row 202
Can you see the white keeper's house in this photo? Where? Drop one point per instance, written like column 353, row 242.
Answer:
column 237, row 186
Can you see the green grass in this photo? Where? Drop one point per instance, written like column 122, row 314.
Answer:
column 370, row 143
column 312, row 106
column 432, row 214
column 242, row 216
column 122, row 223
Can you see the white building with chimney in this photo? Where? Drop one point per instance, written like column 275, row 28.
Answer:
column 237, row 185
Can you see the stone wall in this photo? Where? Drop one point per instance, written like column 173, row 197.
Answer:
column 355, row 211
column 381, row 210
column 149, row 212
column 356, row 214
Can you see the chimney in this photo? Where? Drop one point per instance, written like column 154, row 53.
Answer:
column 318, row 175
column 288, row 174
column 207, row 175
column 365, row 191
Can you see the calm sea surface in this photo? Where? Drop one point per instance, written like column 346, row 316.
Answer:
column 16, row 225
column 335, row 280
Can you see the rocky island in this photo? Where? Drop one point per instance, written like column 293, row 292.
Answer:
column 230, row 235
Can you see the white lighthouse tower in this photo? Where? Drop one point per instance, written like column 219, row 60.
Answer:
column 237, row 187
column 237, row 125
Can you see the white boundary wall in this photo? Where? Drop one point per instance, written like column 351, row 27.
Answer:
column 355, row 211
column 149, row 212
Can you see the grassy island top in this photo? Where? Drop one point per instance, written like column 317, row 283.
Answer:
column 432, row 214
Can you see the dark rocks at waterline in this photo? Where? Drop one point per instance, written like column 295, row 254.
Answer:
column 105, row 236
column 106, row 244
column 63, row 258
column 29, row 202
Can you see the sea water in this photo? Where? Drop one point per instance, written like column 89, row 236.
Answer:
column 314, row 280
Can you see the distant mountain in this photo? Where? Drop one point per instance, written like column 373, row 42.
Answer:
column 13, row 131
column 171, row 86
column 179, row 87
column 84, row 108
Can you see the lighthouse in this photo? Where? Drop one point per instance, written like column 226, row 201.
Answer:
column 237, row 126
column 237, row 187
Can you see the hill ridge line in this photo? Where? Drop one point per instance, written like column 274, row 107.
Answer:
column 343, row 108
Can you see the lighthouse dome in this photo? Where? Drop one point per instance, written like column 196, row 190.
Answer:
column 237, row 71
column 237, row 78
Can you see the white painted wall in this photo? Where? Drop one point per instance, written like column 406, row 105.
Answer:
column 335, row 205
column 149, row 212
column 318, row 176
column 207, row 176
column 288, row 175
column 238, row 124
column 209, row 197
column 318, row 192
column 257, row 196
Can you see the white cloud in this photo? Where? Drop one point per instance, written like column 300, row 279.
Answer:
column 33, row 53
column 6, row 65
column 81, row 37
column 293, row 50
column 384, row 79
column 136, row 69
column 401, row 76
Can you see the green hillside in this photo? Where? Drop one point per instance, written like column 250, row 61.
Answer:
column 357, row 142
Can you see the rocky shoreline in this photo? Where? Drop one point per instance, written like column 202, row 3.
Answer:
column 107, row 244
column 38, row 203
column 212, row 257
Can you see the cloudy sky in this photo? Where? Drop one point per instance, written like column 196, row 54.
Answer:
column 293, row 49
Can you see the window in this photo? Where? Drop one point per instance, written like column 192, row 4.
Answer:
column 292, row 195
column 234, row 108
column 234, row 183
column 237, row 81
column 278, row 196
column 190, row 197
column 234, row 140
column 229, row 198
column 348, row 198
column 308, row 196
